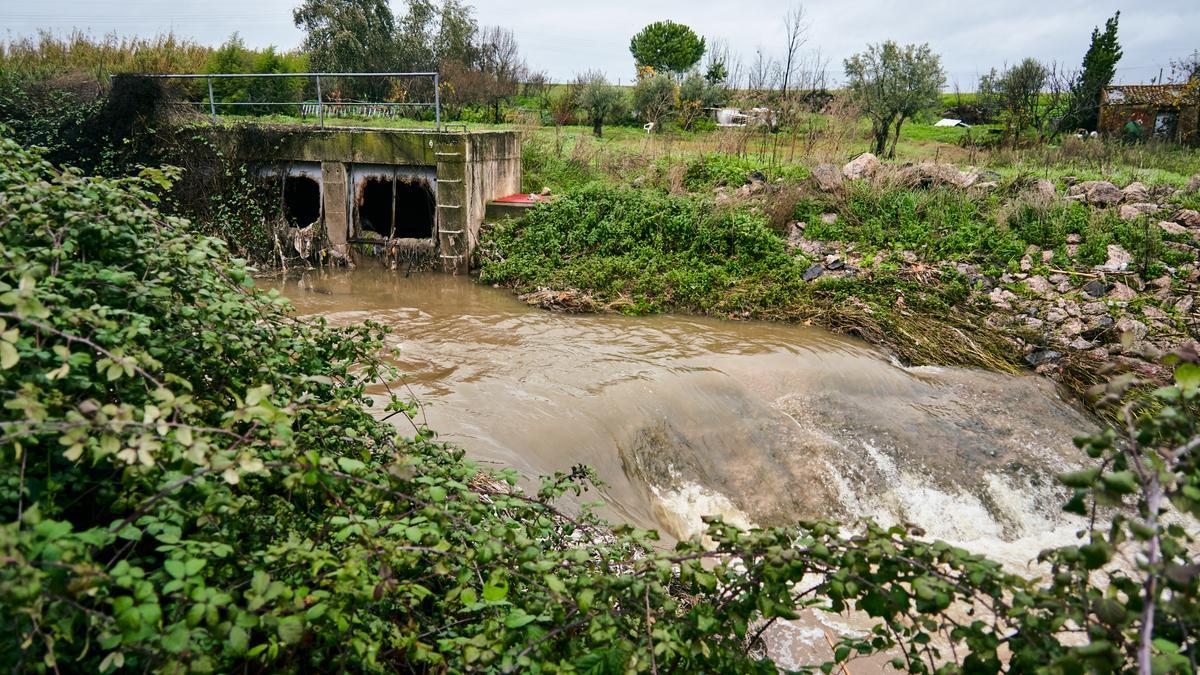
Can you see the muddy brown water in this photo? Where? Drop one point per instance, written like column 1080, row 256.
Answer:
column 761, row 423
column 683, row 416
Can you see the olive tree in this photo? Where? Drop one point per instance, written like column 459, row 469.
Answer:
column 892, row 84
column 598, row 99
column 654, row 98
column 1030, row 95
column 666, row 46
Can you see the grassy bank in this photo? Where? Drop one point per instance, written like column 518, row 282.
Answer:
column 936, row 273
column 640, row 251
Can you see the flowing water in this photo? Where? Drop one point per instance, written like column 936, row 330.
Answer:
column 683, row 416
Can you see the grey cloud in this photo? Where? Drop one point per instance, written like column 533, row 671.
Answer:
column 567, row 38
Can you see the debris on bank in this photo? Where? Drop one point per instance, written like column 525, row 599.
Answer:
column 570, row 301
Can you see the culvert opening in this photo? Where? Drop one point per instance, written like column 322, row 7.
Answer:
column 301, row 201
column 411, row 200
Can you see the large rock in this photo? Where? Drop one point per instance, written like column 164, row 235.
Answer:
column 1095, row 289
column 1043, row 189
column 863, row 166
column 1131, row 212
column 1132, row 326
column 1188, row 218
column 933, row 174
column 1172, row 228
column 1121, row 293
column 1040, row 285
column 827, row 177
column 1136, row 192
column 1097, row 192
column 1118, row 259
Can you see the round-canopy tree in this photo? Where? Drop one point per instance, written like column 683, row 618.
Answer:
column 667, row 46
column 892, row 84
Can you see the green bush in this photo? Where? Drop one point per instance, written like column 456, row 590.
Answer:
column 658, row 250
column 714, row 170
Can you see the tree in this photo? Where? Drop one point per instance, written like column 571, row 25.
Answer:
column 892, row 84
column 598, row 99
column 1186, row 69
column 415, row 33
column 501, row 63
column 795, row 30
column 1018, row 90
column 1099, row 67
column 667, row 47
column 696, row 94
column 1030, row 95
column 654, row 98
column 349, row 36
column 457, row 33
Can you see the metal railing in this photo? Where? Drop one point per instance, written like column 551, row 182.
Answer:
column 321, row 106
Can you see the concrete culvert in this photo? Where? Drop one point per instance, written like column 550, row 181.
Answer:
column 301, row 201
column 410, row 200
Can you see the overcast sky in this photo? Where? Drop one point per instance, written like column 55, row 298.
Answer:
column 564, row 38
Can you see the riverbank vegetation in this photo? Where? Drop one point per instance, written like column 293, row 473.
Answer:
column 939, row 265
column 193, row 481
column 641, row 251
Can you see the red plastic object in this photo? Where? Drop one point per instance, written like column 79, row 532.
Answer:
column 520, row 198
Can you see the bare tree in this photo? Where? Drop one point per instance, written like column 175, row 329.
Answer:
column 500, row 60
column 762, row 74
column 795, row 29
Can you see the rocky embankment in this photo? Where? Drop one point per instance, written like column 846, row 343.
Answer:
column 1062, row 318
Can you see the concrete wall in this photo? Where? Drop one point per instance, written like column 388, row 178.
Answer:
column 493, row 170
column 468, row 170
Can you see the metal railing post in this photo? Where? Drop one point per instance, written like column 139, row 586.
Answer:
column 320, row 104
column 212, row 103
column 437, row 102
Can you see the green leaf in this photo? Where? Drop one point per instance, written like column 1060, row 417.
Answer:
column 291, row 629
column 1121, row 482
column 518, row 618
column 350, row 465
column 555, row 584
column 8, row 356
column 316, row 611
column 175, row 568
column 495, row 590
column 1080, row 479
column 239, row 640
column 112, row 661
column 1187, row 376
column 177, row 639
column 1096, row 554
column 468, row 596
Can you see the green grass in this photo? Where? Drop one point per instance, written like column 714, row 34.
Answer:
column 640, row 251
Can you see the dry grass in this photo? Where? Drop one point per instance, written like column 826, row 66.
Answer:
column 78, row 54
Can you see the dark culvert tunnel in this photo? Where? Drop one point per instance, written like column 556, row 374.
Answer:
column 301, row 200
column 414, row 207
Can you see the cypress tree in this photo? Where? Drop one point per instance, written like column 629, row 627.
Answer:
column 1099, row 68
